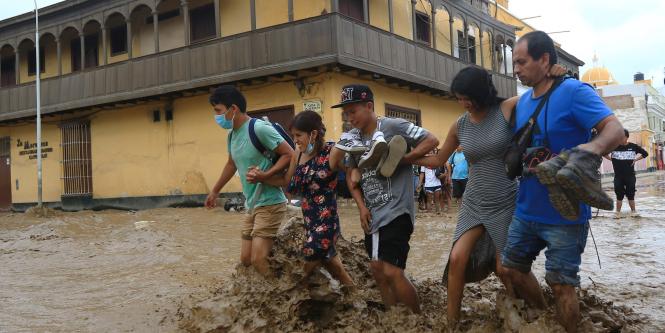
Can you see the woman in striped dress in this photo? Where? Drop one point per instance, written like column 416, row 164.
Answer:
column 489, row 200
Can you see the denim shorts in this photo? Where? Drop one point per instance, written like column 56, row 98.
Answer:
column 564, row 242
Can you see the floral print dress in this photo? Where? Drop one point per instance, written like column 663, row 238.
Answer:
column 316, row 183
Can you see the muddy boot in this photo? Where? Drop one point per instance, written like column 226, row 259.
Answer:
column 581, row 177
column 396, row 150
column 564, row 203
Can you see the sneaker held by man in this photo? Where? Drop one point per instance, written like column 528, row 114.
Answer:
column 351, row 144
column 372, row 157
column 396, row 150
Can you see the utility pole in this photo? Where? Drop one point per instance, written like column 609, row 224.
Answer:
column 39, row 116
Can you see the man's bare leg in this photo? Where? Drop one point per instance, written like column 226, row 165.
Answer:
column 260, row 250
column 619, row 205
column 527, row 286
column 567, row 306
column 246, row 252
column 382, row 283
column 502, row 273
column 631, row 203
column 401, row 287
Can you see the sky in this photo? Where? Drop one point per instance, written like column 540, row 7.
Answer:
column 628, row 37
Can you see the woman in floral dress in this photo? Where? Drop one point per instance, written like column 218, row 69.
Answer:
column 312, row 176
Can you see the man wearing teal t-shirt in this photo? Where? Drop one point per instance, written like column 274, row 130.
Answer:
column 266, row 204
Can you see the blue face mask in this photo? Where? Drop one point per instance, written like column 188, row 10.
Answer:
column 223, row 122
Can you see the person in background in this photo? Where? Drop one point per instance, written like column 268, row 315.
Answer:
column 459, row 171
column 623, row 160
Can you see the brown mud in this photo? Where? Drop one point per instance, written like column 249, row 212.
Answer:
column 284, row 304
column 175, row 269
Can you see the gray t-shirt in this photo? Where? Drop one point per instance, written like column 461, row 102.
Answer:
column 389, row 198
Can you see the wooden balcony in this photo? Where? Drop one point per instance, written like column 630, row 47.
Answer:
column 329, row 39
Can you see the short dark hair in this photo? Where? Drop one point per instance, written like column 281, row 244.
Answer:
column 539, row 43
column 475, row 83
column 228, row 95
column 626, row 133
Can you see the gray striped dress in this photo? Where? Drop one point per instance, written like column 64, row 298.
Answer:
column 489, row 198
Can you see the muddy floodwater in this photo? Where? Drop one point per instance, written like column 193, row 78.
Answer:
column 141, row 271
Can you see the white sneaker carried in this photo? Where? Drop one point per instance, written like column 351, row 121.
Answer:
column 396, row 150
column 372, row 157
column 351, row 143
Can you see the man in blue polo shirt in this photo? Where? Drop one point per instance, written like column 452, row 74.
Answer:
column 543, row 216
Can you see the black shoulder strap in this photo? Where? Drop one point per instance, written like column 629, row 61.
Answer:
column 536, row 113
column 254, row 138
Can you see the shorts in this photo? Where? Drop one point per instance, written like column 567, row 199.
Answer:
column 432, row 189
column 624, row 185
column 565, row 244
column 264, row 221
column 391, row 243
column 459, row 186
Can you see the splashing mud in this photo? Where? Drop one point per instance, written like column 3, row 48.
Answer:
column 174, row 270
column 250, row 303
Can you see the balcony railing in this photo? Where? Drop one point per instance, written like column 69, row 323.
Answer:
column 328, row 39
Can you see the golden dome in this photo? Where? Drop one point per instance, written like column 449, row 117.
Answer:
column 598, row 75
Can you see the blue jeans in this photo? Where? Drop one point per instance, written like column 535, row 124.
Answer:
column 564, row 242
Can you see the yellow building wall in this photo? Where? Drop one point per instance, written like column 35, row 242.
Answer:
column 132, row 156
column 442, row 33
column 303, row 9
column 66, row 56
column 271, row 12
column 51, row 59
column 235, row 17
column 143, row 42
column 402, row 18
column 378, row 14
column 487, row 50
column 24, row 169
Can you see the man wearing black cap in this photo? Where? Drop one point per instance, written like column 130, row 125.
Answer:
column 387, row 209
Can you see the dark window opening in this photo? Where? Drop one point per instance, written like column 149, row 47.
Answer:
column 32, row 61
column 353, row 9
column 75, row 47
column 7, row 68
column 156, row 116
column 461, row 46
column 118, row 40
column 423, row 28
column 412, row 115
column 472, row 49
column 91, row 51
column 202, row 22
column 163, row 16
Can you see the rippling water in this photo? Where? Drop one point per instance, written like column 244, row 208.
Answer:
column 124, row 271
